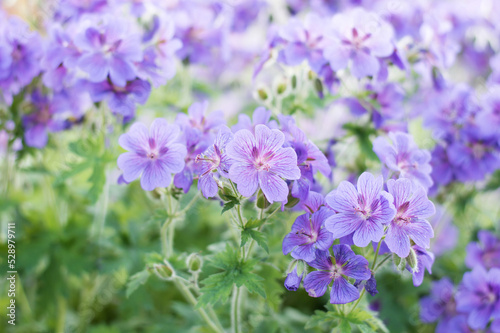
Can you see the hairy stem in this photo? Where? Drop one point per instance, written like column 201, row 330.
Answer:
column 235, row 311
column 192, row 300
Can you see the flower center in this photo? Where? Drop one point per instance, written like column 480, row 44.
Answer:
column 152, row 156
column 336, row 271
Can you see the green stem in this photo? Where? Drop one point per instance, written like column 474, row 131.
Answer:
column 382, row 262
column 235, row 311
column 357, row 302
column 192, row 300
column 376, row 254
column 164, row 238
column 189, row 205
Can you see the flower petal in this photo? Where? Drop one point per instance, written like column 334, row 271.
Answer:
column 273, row 187
column 316, row 283
column 343, row 292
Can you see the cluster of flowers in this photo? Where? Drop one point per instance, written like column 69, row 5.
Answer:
column 278, row 159
column 256, row 153
column 111, row 51
column 475, row 304
column 399, row 54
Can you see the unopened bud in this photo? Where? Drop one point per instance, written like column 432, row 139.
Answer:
column 281, row 88
column 262, row 94
column 399, row 262
column 412, row 260
column 294, row 81
column 164, row 271
column 292, row 201
column 262, row 201
column 194, row 263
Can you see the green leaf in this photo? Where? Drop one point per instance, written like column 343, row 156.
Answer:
column 258, row 236
column 136, row 281
column 218, row 287
column 344, row 326
column 159, row 217
column 230, row 204
column 248, row 232
column 97, row 179
column 365, row 328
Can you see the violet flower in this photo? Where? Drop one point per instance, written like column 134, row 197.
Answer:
column 214, row 161
column 153, row 155
column 440, row 306
column 412, row 209
column 307, row 235
column 261, row 161
column 485, row 253
column 110, row 48
column 479, row 296
column 358, row 38
column 404, row 158
column 362, row 210
column 337, row 268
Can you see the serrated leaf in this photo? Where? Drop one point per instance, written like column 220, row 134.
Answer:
column 344, row 326
column 217, row 287
column 365, row 328
column 159, row 217
column 230, row 204
column 136, row 281
column 260, row 238
column 254, row 223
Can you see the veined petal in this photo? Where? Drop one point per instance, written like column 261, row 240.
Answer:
column 343, row 224
column 155, row 175
column 397, row 240
column 132, row 165
column 316, row 283
column 136, row 139
column 273, row 187
column 163, row 133
column 343, row 292
column 367, row 232
column 242, row 147
column 268, row 140
column 245, row 176
column 420, row 231
column 357, row 268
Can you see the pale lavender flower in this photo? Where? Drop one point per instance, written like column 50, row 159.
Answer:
column 303, row 41
column 109, row 48
column 337, row 268
column 412, row 209
column 358, row 38
column 198, row 119
column 307, row 235
column 214, row 161
column 404, row 158
column 363, row 210
column 153, row 155
column 261, row 161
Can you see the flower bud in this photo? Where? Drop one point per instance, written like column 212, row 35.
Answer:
column 294, row 81
column 164, row 271
column 194, row 263
column 399, row 262
column 262, row 201
column 262, row 94
column 412, row 260
column 296, row 271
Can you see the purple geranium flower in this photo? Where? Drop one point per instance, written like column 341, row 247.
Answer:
column 214, row 161
column 110, row 48
column 404, row 158
column 196, row 118
column 261, row 161
column 121, row 100
column 303, row 41
column 359, row 37
column 152, row 155
column 485, row 253
column 342, row 265
column 313, row 202
column 293, row 280
column 445, row 232
column 363, row 210
column 440, row 306
column 47, row 117
column 413, row 207
column 479, row 296
column 307, row 235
